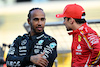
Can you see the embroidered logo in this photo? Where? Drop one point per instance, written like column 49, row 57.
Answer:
column 79, row 47
column 78, row 50
column 79, row 38
column 36, row 51
column 23, row 42
column 52, row 45
column 40, row 42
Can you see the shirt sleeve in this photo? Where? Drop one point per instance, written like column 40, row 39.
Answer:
column 13, row 58
column 50, row 51
column 94, row 46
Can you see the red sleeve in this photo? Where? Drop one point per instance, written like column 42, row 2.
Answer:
column 94, row 46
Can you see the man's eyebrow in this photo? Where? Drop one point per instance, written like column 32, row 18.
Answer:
column 34, row 18
column 40, row 18
column 43, row 18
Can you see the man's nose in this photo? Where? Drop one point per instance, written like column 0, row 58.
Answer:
column 40, row 22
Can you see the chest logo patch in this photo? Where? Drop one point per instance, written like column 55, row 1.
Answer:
column 52, row 45
column 79, row 50
column 79, row 38
column 40, row 42
column 79, row 47
column 23, row 42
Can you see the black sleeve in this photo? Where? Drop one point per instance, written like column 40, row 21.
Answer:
column 50, row 51
column 13, row 59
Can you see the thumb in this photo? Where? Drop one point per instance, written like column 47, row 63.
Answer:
column 43, row 54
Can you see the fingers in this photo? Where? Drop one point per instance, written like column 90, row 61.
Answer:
column 44, row 62
column 44, row 58
column 39, row 60
column 42, row 54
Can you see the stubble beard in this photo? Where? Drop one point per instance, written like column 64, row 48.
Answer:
column 69, row 29
column 33, row 30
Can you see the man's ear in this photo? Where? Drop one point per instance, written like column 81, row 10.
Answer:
column 28, row 21
column 71, row 20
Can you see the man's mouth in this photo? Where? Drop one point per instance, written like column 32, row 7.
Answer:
column 39, row 28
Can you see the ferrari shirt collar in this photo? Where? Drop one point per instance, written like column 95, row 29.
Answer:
column 79, row 29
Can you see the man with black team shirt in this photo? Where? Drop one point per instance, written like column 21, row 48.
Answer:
column 36, row 49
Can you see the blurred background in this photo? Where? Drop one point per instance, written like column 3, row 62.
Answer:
column 13, row 14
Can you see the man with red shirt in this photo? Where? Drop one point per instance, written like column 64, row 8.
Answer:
column 86, row 43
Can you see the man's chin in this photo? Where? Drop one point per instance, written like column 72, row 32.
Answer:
column 69, row 29
column 38, row 32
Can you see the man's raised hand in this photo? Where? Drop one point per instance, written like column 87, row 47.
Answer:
column 39, row 60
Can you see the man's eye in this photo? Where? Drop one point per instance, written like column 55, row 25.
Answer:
column 35, row 19
column 42, row 19
column 64, row 18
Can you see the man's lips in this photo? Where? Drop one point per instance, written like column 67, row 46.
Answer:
column 39, row 28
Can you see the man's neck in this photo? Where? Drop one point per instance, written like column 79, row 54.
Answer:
column 32, row 33
column 77, row 26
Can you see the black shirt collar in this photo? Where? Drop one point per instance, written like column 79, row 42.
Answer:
column 38, row 36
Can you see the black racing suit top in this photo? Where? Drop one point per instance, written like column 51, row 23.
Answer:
column 25, row 46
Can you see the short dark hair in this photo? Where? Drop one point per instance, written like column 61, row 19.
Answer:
column 29, row 14
column 80, row 21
